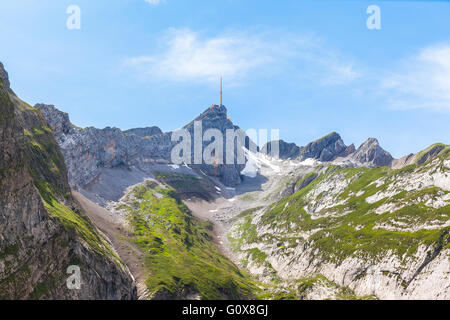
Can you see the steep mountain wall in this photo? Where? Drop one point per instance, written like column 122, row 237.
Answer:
column 42, row 229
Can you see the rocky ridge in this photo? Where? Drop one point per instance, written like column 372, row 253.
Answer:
column 42, row 229
column 89, row 150
column 331, row 147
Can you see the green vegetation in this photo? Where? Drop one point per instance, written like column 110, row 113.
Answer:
column 179, row 254
column 187, row 184
column 306, row 179
column 82, row 227
column 354, row 228
column 47, row 167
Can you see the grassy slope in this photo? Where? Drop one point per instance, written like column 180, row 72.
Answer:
column 351, row 232
column 179, row 254
column 342, row 236
column 45, row 163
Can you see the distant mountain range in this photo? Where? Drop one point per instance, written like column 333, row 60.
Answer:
column 322, row 221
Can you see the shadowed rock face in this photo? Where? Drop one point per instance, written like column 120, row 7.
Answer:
column 286, row 150
column 4, row 76
column 37, row 246
column 327, row 148
column 215, row 117
column 371, row 153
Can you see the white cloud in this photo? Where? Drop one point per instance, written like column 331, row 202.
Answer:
column 153, row 2
column 421, row 82
column 188, row 56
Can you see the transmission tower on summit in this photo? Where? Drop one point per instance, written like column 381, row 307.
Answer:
column 220, row 91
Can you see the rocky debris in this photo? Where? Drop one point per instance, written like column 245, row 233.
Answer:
column 327, row 148
column 370, row 153
column 4, row 76
column 36, row 244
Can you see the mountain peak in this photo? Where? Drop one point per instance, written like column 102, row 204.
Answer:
column 4, row 76
column 370, row 142
column 214, row 111
column 370, row 152
column 326, row 148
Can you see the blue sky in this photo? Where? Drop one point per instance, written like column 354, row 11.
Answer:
column 304, row 67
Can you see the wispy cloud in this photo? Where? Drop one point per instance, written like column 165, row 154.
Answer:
column 187, row 55
column 422, row 81
column 154, row 2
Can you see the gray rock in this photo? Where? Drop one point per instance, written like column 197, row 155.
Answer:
column 36, row 247
column 286, row 150
column 371, row 153
column 327, row 148
column 215, row 117
column 4, row 76
column 144, row 132
column 88, row 150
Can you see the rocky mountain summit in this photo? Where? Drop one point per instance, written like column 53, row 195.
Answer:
column 372, row 154
column 327, row 148
column 43, row 231
column 331, row 147
column 87, row 151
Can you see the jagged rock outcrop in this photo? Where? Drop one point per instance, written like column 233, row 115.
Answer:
column 216, row 117
column 4, row 76
column 326, row 148
column 286, row 150
column 42, row 229
column 88, row 150
column 371, row 153
column 423, row 156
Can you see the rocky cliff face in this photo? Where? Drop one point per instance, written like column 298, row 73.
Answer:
column 332, row 147
column 324, row 149
column 88, row 150
column 216, row 117
column 42, row 229
column 370, row 153
column 4, row 76
column 286, row 150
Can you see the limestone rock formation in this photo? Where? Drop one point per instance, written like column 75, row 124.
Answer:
column 326, row 148
column 371, row 153
column 42, row 229
column 286, row 150
column 88, row 150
